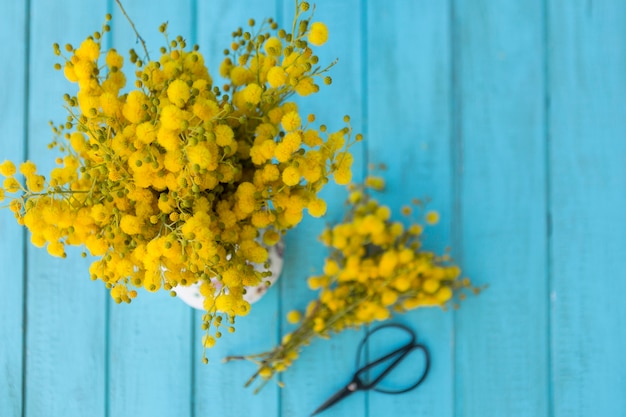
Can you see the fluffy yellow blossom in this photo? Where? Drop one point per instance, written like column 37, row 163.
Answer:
column 68, row 71
column 11, row 185
column 35, row 183
column 169, row 140
column 317, row 207
column 130, row 224
column 291, row 121
column 276, row 77
column 172, row 118
column 178, row 92
column 110, row 104
column 56, row 249
column 88, row 50
column 252, row 93
column 224, row 135
column 114, row 59
column 83, row 70
column 273, row 46
column 27, row 168
column 133, row 109
column 7, row 168
column 239, row 75
column 318, row 33
column 205, row 109
column 306, row 86
column 291, row 176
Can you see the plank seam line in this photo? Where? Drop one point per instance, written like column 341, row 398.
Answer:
column 365, row 123
column 548, row 199
column 26, row 132
column 456, row 160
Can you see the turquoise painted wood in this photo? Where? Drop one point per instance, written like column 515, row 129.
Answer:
column 12, row 145
column 508, row 115
column 587, row 86
column 502, row 338
column 409, row 63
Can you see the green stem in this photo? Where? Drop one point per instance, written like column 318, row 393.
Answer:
column 132, row 25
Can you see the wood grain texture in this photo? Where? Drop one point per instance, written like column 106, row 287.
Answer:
column 587, row 154
column 12, row 144
column 150, row 340
column 502, row 336
column 409, row 130
column 65, row 354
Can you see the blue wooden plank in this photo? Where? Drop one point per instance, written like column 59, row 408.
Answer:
column 587, row 79
column 409, row 130
column 219, row 387
column 326, row 364
column 65, row 310
column 501, row 339
column 150, row 340
column 12, row 105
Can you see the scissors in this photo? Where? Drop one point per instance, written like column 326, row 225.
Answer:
column 359, row 380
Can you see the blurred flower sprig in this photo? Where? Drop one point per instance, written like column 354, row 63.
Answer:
column 376, row 268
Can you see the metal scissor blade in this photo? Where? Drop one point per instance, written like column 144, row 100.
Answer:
column 338, row 396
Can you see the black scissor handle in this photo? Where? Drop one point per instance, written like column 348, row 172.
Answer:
column 397, row 355
column 421, row 378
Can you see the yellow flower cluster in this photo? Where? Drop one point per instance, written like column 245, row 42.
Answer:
column 179, row 181
column 376, row 268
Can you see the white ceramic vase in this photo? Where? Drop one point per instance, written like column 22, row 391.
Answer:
column 192, row 297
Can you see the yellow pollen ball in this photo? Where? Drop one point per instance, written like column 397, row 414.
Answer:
column 88, row 50
column 431, row 285
column 205, row 109
column 294, row 317
column 306, row 86
column 444, row 294
column 252, row 94
column 56, row 249
column 291, row 176
column 317, row 207
column 28, row 168
column 7, row 168
column 11, row 185
column 178, row 92
column 239, row 75
column 68, row 71
column 273, row 46
column 432, row 217
column 223, row 135
column 291, row 121
column 208, row 341
column 265, row 372
column 113, row 59
column 276, row 77
column 318, row 34
column 271, row 237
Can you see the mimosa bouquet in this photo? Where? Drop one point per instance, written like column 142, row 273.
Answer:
column 176, row 180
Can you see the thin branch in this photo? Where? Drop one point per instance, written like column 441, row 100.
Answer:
column 132, row 25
